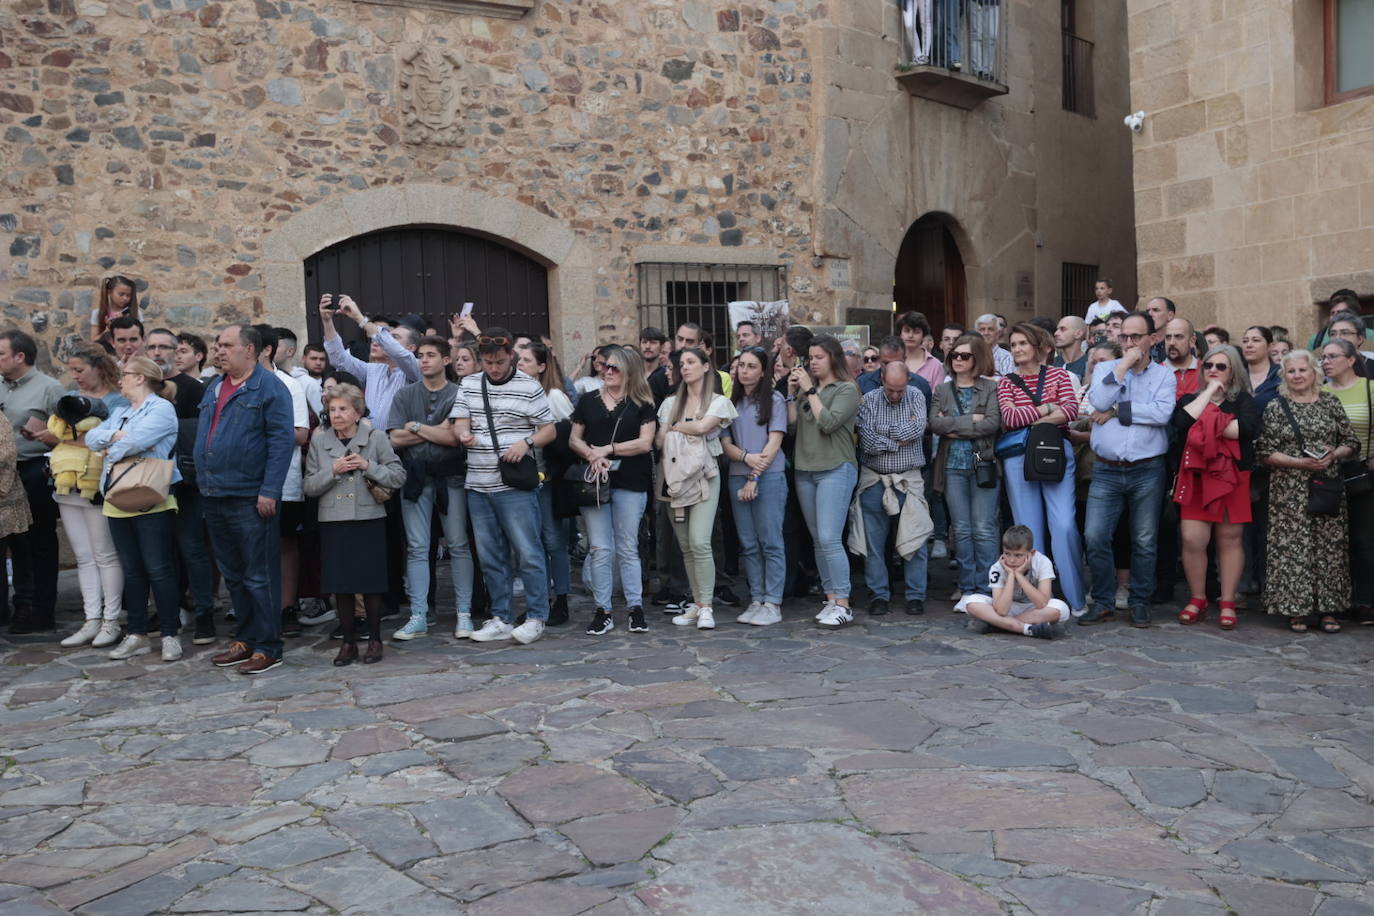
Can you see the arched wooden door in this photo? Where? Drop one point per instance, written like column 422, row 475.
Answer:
column 930, row 274
column 430, row 271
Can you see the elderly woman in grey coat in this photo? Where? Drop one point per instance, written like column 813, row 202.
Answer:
column 352, row 469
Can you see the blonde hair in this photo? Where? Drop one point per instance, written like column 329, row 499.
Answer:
column 151, row 374
column 1289, row 357
column 632, row 370
column 1240, row 373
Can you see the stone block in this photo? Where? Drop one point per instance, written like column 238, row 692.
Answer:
column 1284, row 261
column 1160, row 92
column 1237, row 266
column 1155, row 164
column 378, row 208
column 1288, row 177
column 1187, row 196
column 1152, row 26
column 1225, row 110
column 1149, row 205
column 1343, row 251
column 1202, row 154
column 1211, row 230
column 1164, row 238
column 1271, row 221
column 558, row 792
column 1178, row 122
column 1344, row 164
column 1335, row 210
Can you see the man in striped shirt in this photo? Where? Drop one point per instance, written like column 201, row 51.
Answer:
column 504, row 518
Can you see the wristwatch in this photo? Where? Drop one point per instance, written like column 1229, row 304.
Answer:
column 529, row 441
column 414, row 426
column 810, row 391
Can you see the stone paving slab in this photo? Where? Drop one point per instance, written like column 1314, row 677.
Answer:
column 913, row 766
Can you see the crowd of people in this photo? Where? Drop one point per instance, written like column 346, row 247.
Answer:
column 1066, row 470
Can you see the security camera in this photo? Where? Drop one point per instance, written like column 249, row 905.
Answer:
column 1135, row 121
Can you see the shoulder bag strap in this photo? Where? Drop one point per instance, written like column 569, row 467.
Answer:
column 1292, row 421
column 491, row 420
column 1019, row 383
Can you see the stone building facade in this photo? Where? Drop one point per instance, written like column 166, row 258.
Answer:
column 215, row 150
column 1254, row 191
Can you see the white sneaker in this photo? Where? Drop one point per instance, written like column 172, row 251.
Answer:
column 88, row 632
column 528, row 631
column 415, row 626
column 463, row 629
column 938, row 550
column 706, row 619
column 493, row 630
column 768, row 615
column 108, row 635
column 749, row 612
column 825, row 609
column 171, row 648
column 1123, row 597
column 131, row 646
column 688, row 617
column 957, row 595
column 838, row 617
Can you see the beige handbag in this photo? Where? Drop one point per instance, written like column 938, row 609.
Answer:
column 138, row 484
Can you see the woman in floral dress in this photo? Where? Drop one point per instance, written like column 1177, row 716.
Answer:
column 1301, row 581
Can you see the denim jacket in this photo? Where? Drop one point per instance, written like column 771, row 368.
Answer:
column 251, row 449
column 149, row 429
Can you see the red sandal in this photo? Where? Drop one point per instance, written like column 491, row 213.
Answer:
column 1193, row 611
column 1226, row 617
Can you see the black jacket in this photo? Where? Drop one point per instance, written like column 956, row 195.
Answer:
column 1242, row 407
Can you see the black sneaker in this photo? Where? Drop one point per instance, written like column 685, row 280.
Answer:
column 915, row 607
column 558, row 611
column 726, row 595
column 662, row 597
column 205, row 630
column 290, row 621
column 877, row 607
column 677, row 605
column 1042, row 630
column 637, row 622
column 601, row 623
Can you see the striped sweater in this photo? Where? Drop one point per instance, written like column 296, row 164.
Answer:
column 1019, row 410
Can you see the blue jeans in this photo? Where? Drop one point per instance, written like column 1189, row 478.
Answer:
column 554, row 535
column 147, row 548
column 195, row 559
column 247, row 549
column 1136, row 490
column 877, row 523
column 501, row 522
column 417, row 515
column 973, row 516
column 613, row 535
column 1034, row 502
column 759, row 526
column 824, row 499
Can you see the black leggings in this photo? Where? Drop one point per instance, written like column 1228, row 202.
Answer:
column 346, row 603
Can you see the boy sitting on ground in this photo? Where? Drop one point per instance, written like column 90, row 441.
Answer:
column 1021, row 582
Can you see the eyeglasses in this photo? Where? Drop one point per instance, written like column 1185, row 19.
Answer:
column 961, row 354
column 1216, row 367
column 1124, row 336
column 1325, row 356
column 870, row 359
column 498, row 341
column 611, row 367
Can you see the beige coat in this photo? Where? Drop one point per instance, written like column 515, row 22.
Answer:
column 345, row 498
column 14, row 503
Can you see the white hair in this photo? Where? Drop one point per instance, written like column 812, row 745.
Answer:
column 989, row 318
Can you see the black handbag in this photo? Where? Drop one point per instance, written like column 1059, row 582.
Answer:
column 1354, row 471
column 520, row 475
column 984, row 472
column 1323, row 493
column 588, row 489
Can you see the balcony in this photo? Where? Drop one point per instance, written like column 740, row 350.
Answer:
column 1078, row 75
column 953, row 51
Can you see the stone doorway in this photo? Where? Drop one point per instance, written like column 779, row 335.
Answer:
column 929, row 277
column 430, row 271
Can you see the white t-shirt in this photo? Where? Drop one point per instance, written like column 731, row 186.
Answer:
column 1098, row 310
column 314, row 393
column 292, row 490
column 720, row 406
column 518, row 406
column 1041, row 570
column 559, row 405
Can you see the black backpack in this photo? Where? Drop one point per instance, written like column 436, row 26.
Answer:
column 1045, row 459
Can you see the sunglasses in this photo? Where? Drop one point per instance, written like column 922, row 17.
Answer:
column 499, row 341
column 961, row 354
column 1216, row 367
column 611, row 367
column 870, row 359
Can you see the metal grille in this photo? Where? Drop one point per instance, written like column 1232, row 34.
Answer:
column 671, row 295
column 962, row 35
column 1078, row 283
column 1078, row 75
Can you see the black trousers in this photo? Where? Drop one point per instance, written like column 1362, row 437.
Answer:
column 35, row 572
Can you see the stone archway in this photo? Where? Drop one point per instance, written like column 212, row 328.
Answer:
column 930, row 275
column 548, row 241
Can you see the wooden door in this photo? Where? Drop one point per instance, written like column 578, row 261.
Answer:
column 930, row 274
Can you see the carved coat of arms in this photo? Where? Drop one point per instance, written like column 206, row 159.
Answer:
column 430, row 95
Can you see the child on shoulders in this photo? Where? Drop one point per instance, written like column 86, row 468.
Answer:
column 1021, row 582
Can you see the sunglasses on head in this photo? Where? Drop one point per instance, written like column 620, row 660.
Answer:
column 499, row 341
column 1216, row 367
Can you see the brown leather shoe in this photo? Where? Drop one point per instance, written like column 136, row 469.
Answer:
column 238, row 652
column 373, row 653
column 348, row 654
column 259, row 663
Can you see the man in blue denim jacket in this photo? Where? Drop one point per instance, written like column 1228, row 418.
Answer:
column 243, row 448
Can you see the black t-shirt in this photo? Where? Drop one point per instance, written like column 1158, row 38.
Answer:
column 636, row 471
column 189, row 392
column 658, row 384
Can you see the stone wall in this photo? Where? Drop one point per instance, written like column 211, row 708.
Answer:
column 168, row 140
column 1254, row 198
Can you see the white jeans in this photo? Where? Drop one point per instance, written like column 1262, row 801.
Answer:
column 97, row 563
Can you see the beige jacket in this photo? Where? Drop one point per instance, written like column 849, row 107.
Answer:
column 913, row 523
column 688, row 469
column 345, row 498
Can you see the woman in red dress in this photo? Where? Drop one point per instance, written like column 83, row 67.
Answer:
column 1217, row 427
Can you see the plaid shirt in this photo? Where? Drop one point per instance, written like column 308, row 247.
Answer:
column 882, row 425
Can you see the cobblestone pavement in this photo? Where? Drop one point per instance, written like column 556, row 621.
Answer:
column 903, row 765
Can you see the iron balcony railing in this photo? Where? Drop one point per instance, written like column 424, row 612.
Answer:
column 1078, row 75
column 964, row 36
